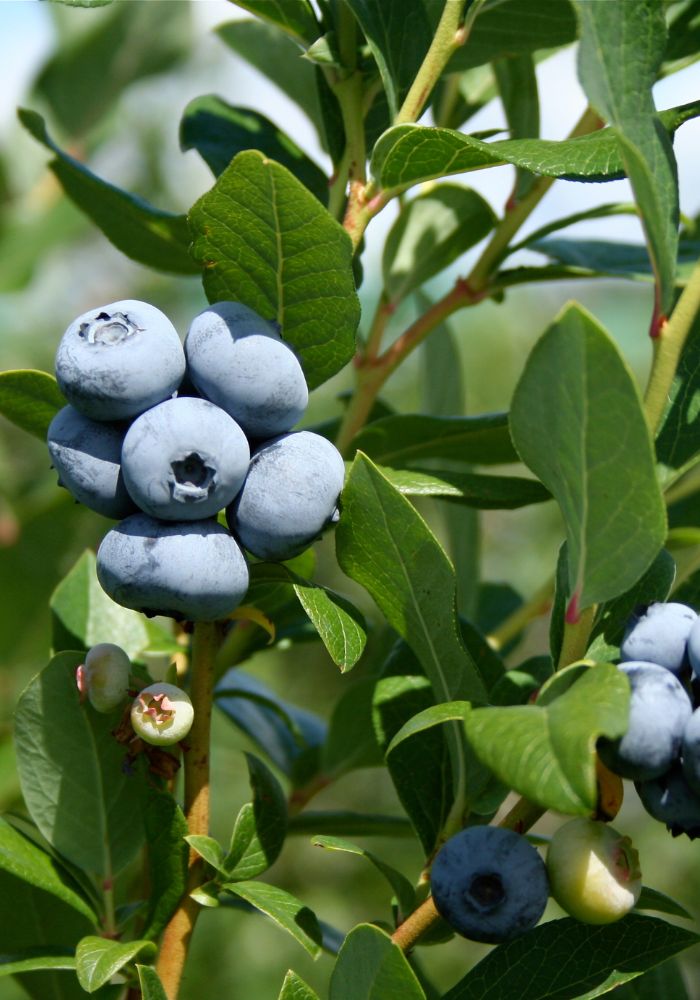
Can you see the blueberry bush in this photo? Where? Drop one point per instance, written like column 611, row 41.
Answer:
column 220, row 532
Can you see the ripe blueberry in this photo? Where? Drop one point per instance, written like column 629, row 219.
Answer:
column 659, row 710
column 184, row 459
column 162, row 714
column 593, row 871
column 489, row 884
column 104, row 677
column 659, row 635
column 116, row 361
column 672, row 801
column 239, row 361
column 290, row 495
column 185, row 569
column 694, row 648
column 87, row 454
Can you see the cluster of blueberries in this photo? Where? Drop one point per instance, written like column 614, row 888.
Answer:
column 163, row 437
column 660, row 751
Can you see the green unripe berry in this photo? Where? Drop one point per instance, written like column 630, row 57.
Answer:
column 162, row 714
column 104, row 677
column 593, row 871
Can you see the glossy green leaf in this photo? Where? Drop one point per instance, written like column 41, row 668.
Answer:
column 36, row 960
column 517, row 86
column 149, row 981
column 294, row 988
column 578, row 423
column 261, row 826
column 296, row 19
column 207, row 848
column 515, row 26
column 72, row 773
column 436, row 715
column 431, row 232
column 351, row 741
column 23, row 859
column 148, row 235
column 87, row 73
column 409, row 154
column 84, row 615
column 652, row 899
column 603, row 258
column 98, row 959
column 400, row 886
column 286, row 911
column 166, row 828
column 678, row 443
column 469, row 488
column 371, row 967
column 264, row 240
column 547, row 753
column 219, row 131
column 398, row 33
column 589, row 960
column 384, row 544
column 404, row 439
column 30, row 399
column 621, row 49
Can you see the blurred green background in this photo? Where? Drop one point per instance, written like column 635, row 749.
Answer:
column 113, row 82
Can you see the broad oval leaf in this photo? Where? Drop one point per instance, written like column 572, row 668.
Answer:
column 577, row 422
column 436, row 715
column 590, row 960
column 261, row 826
column 166, row 828
column 148, row 235
column 294, row 988
column 264, row 240
column 286, row 910
column 547, row 753
column 403, row 439
column 97, row 959
column 30, row 399
column 72, row 773
column 371, row 967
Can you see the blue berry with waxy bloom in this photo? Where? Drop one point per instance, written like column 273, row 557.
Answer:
column 671, row 800
column 690, row 751
column 87, row 457
column 239, row 361
column 118, row 360
column 659, row 711
column 489, row 884
column 184, row 459
column 659, row 634
column 290, row 495
column 185, row 569
column 694, row 648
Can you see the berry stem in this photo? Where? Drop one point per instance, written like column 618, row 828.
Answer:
column 178, row 933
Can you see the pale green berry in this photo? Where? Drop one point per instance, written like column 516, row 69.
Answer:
column 162, row 714
column 593, row 871
column 104, row 677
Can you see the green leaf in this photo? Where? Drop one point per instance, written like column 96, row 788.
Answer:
column 600, row 257
column 84, row 615
column 578, row 423
column 589, row 960
column 294, row 988
column 88, row 72
column 149, row 981
column 207, row 848
column 264, row 240
column 35, row 960
column 621, row 50
column 431, row 232
column 598, row 212
column 261, row 826
column 340, row 625
column 514, row 26
column 384, row 544
column 547, row 753
column 517, row 85
column 30, row 399
column 665, row 980
column 296, row 19
column 72, row 774
column 652, row 899
column 409, row 154
column 399, row 34
column 98, row 959
column 286, row 911
column 401, row 440
column 677, row 443
column 401, row 887
column 166, row 828
column 436, row 715
column 219, row 131
column 23, row 859
column 148, row 235
column 371, row 967
column 469, row 488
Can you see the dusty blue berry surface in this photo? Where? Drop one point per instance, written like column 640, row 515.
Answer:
column 659, row 635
